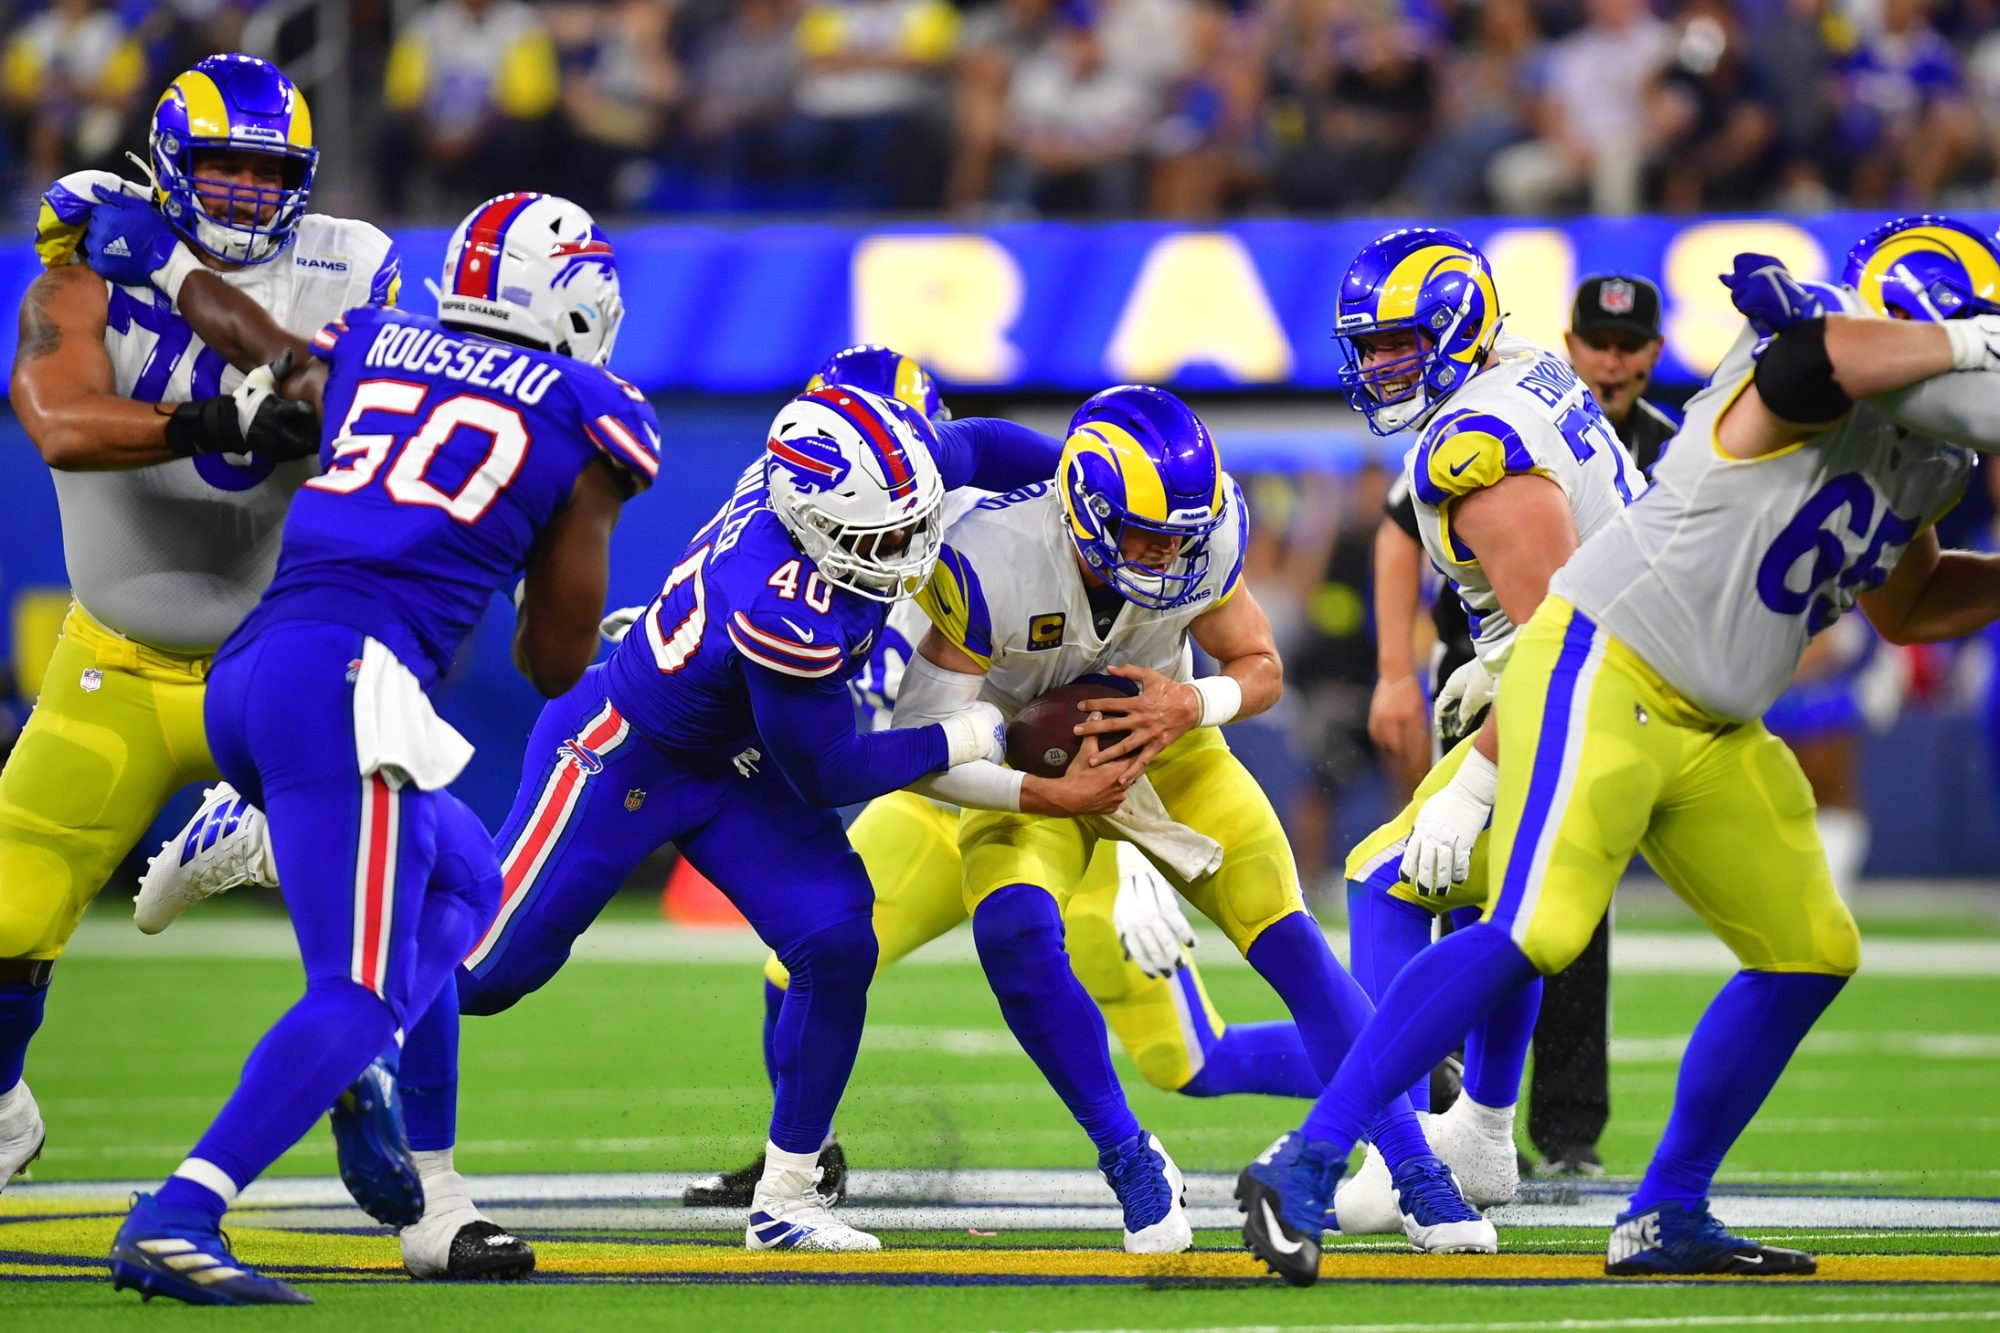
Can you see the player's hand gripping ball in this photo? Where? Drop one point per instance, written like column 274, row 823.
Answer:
column 1042, row 737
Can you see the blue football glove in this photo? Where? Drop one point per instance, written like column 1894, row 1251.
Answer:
column 1767, row 295
column 127, row 239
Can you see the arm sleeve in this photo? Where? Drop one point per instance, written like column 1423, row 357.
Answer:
column 1961, row 407
column 994, row 455
column 807, row 726
column 929, row 692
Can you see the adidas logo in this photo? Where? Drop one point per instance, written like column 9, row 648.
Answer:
column 118, row 249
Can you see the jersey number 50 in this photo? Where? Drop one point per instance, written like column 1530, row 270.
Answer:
column 357, row 459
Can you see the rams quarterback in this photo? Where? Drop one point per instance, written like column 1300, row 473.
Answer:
column 171, row 498
column 1514, row 464
column 1800, row 485
column 1134, row 551
column 1123, row 927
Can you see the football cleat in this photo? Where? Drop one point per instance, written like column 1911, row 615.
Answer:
column 163, row 1252
column 1365, row 1203
column 1477, row 1143
column 21, row 1131
column 1672, row 1240
column 788, row 1213
column 1436, row 1217
column 1581, row 1160
column 1285, row 1197
column 372, row 1150
column 225, row 845
column 455, row 1240
column 735, row 1188
column 1150, row 1190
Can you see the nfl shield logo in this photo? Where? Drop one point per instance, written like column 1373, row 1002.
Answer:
column 1616, row 297
column 93, row 680
column 635, row 798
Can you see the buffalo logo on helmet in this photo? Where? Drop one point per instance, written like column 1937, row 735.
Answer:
column 815, row 462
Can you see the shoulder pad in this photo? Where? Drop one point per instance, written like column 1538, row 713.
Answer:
column 956, row 604
column 1466, row 452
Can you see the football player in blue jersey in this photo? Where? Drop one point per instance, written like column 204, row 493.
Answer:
column 460, row 451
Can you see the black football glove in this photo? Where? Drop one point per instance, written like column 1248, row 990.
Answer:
column 253, row 420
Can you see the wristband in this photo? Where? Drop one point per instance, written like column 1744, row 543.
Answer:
column 1221, row 699
column 169, row 276
column 1478, row 777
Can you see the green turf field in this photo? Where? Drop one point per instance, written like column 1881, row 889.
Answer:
column 642, row 1058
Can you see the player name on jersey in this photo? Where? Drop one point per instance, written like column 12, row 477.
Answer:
column 478, row 362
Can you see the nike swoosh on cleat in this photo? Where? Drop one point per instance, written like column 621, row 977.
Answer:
column 1275, row 1230
column 1749, row 1258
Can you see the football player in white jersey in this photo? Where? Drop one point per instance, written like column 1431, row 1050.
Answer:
column 172, row 497
column 1514, row 465
column 1135, row 550
column 1629, row 717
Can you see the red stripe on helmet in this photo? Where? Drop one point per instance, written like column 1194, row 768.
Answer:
column 902, row 476
column 479, row 262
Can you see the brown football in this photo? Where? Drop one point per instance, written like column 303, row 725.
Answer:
column 1040, row 739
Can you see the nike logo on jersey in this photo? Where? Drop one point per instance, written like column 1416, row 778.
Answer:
column 1464, row 465
column 1275, row 1234
column 118, row 249
column 805, row 635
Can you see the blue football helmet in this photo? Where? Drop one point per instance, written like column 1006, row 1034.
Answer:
column 1926, row 268
column 1436, row 283
column 886, row 373
column 232, row 103
column 1138, row 457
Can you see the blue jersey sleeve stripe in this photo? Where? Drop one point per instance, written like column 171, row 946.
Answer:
column 978, row 620
column 1514, row 448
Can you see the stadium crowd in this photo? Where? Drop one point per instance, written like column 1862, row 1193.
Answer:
column 1177, row 108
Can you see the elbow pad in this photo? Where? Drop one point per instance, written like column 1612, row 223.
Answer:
column 1795, row 377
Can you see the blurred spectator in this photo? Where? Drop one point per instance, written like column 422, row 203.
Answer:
column 1361, row 79
column 996, row 39
column 1203, row 148
column 742, row 72
column 472, row 84
column 73, row 77
column 871, row 99
column 1713, row 124
column 1589, row 119
column 1076, row 123
column 1152, row 39
column 618, row 95
column 1789, row 40
column 1905, row 124
column 1482, row 107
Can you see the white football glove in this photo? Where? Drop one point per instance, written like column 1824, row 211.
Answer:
column 1439, row 852
column 1469, row 689
column 977, row 732
column 1147, row 915
column 257, row 386
column 617, row 624
column 1975, row 342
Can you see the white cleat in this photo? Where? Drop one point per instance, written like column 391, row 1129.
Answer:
column 788, row 1212
column 226, row 844
column 1365, row 1202
column 1138, row 1179
column 1477, row 1143
column 21, row 1131
column 455, row 1240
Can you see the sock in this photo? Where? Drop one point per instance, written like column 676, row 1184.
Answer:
column 818, row 1032
column 1331, row 1011
column 1739, row 1048
column 1256, row 1057
column 21, row 1009
column 1019, row 933
column 1383, row 934
column 428, row 1076
column 1496, row 1050
column 1416, row 1027
column 315, row 1050
column 774, row 1000
column 198, row 1186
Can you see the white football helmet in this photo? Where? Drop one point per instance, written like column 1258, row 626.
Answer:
column 536, row 268
column 852, row 479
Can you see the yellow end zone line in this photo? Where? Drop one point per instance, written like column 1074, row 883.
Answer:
column 67, row 1242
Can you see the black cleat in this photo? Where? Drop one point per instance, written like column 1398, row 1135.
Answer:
column 1263, row 1191
column 735, row 1189
column 484, row 1251
column 1671, row 1240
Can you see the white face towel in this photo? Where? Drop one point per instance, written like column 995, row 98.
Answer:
column 1144, row 822
column 396, row 732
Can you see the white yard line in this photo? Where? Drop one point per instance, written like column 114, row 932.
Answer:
column 1812, row 1319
